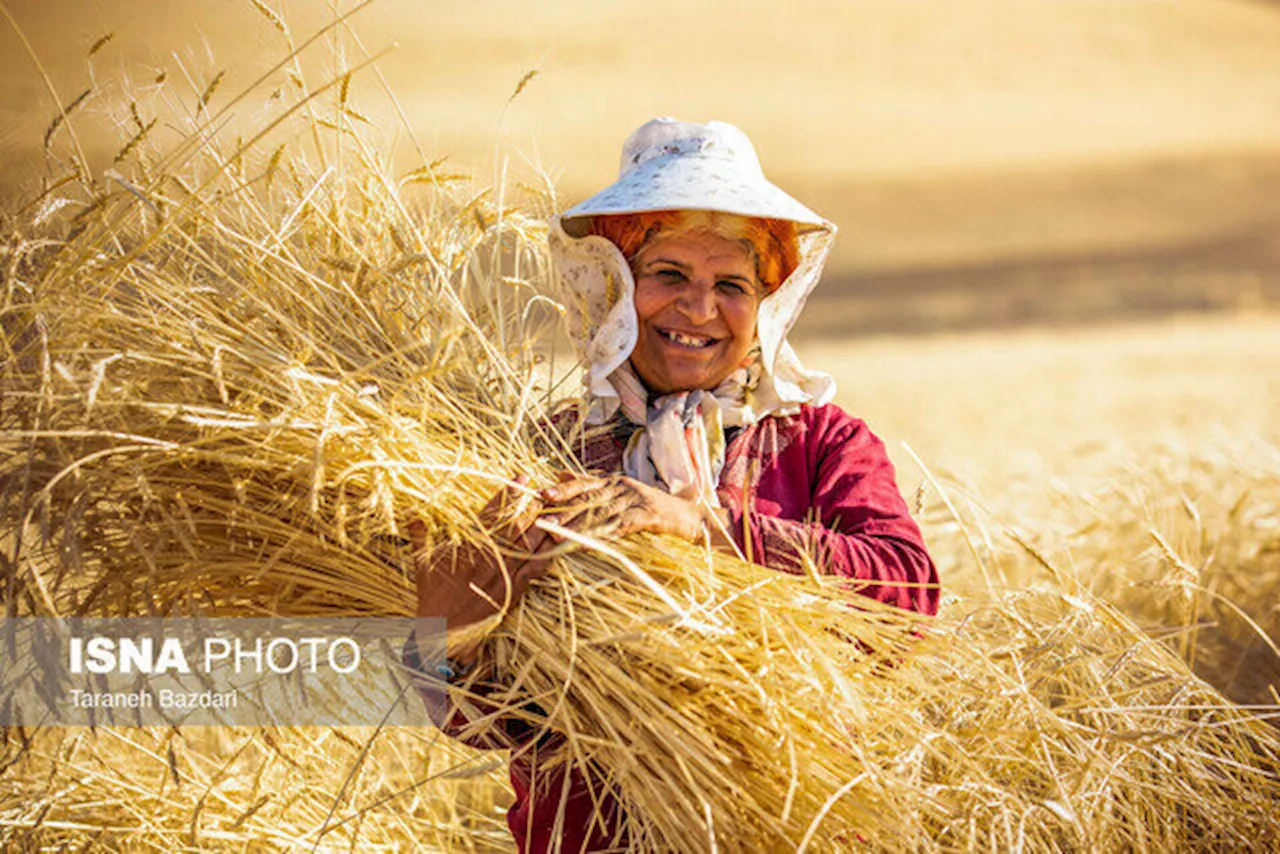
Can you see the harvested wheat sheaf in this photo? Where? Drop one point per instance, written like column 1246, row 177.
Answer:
column 230, row 380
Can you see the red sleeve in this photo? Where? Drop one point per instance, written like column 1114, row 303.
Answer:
column 860, row 527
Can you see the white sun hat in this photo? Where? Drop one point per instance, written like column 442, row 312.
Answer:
column 673, row 165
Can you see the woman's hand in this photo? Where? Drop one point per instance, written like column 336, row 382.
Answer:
column 468, row 584
column 618, row 505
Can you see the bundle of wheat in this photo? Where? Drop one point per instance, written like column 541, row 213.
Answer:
column 226, row 389
column 200, row 789
column 224, row 431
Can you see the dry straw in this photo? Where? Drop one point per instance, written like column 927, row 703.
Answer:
column 230, row 378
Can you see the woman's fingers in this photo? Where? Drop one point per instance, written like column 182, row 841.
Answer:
column 593, row 491
column 505, row 499
column 531, row 542
column 519, row 535
column 517, row 507
column 602, row 510
column 588, row 503
column 626, row 506
column 532, row 547
column 572, row 487
column 498, row 506
column 417, row 531
column 525, row 572
column 540, row 543
column 466, row 583
column 633, row 520
column 530, row 572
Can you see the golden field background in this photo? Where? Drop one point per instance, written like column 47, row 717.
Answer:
column 1000, row 162
column 1059, row 257
column 1056, row 279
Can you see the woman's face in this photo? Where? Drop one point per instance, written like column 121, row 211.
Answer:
column 696, row 301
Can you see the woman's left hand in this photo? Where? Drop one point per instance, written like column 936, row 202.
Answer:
column 618, row 505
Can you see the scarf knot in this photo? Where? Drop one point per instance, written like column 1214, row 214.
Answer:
column 679, row 444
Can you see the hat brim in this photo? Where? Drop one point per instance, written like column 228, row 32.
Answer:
column 691, row 183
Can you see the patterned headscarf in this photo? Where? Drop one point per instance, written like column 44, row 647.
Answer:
column 680, row 443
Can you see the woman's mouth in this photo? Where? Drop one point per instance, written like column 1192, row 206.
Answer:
column 689, row 342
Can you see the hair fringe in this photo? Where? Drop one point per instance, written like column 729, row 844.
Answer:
column 773, row 242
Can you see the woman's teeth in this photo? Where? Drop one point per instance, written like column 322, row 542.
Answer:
column 686, row 340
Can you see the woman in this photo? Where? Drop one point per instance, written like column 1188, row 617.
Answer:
column 681, row 282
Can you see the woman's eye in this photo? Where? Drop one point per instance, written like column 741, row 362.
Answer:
column 670, row 275
column 731, row 287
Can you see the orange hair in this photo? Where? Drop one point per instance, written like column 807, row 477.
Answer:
column 772, row 242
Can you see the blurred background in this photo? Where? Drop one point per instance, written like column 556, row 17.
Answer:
column 1057, row 281
column 1002, row 162
column 1055, row 294
column 1060, row 219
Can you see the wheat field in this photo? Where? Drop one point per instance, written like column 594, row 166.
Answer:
column 229, row 329
column 1140, row 458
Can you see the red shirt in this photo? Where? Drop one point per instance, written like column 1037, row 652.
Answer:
column 818, row 481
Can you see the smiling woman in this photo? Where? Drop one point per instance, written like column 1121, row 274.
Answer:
column 699, row 277
column 696, row 301
column 697, row 420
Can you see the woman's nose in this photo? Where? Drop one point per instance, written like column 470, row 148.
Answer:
column 698, row 303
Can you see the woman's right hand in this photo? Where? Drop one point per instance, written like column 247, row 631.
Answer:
column 468, row 584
